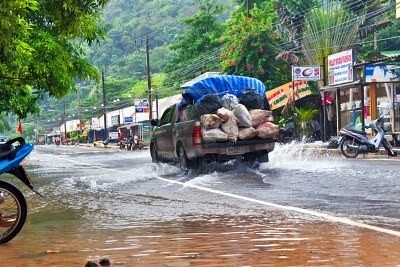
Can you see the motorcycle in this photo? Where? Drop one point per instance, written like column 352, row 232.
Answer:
column 355, row 142
column 13, row 205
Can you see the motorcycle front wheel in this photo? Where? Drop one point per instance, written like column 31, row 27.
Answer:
column 13, row 211
column 346, row 151
column 388, row 148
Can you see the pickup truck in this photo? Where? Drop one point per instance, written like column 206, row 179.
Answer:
column 177, row 137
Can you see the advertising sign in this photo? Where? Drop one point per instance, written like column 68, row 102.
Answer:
column 146, row 128
column 382, row 73
column 115, row 120
column 128, row 119
column 113, row 135
column 306, row 73
column 141, row 105
column 95, row 123
column 278, row 97
column 340, row 67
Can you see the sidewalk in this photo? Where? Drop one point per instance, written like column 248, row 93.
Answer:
column 99, row 144
column 323, row 149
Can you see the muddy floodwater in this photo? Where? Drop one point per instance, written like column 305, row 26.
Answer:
column 93, row 210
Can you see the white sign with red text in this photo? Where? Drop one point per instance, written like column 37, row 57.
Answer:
column 306, row 73
column 340, row 67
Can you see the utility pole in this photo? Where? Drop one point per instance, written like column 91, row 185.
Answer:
column 325, row 78
column 375, row 40
column 37, row 129
column 148, row 78
column 79, row 114
column 65, row 125
column 104, row 106
column 248, row 8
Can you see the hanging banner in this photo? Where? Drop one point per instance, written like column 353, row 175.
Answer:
column 278, row 97
column 306, row 73
column 340, row 67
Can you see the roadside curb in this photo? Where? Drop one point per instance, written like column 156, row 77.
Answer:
column 337, row 151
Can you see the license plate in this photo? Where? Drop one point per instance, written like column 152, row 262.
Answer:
column 234, row 150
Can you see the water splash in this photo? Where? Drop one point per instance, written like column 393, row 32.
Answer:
column 308, row 156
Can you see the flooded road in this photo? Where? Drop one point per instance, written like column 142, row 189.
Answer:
column 300, row 209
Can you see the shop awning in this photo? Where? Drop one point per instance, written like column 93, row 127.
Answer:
column 127, row 126
column 340, row 86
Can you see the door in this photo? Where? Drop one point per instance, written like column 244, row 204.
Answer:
column 163, row 134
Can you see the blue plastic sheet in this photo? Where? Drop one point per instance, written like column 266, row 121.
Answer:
column 222, row 84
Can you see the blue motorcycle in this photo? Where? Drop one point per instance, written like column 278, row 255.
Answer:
column 13, row 206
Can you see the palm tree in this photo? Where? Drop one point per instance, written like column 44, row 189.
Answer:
column 305, row 116
column 327, row 30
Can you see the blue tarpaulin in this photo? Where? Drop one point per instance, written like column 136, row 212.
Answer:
column 223, row 84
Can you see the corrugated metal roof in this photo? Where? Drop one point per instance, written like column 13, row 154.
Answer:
column 394, row 53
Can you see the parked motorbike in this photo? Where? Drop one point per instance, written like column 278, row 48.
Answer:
column 13, row 206
column 337, row 143
column 354, row 142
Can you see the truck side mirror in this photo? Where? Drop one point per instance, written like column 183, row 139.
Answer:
column 154, row 122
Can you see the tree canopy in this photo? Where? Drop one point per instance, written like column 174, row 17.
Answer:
column 41, row 49
column 251, row 45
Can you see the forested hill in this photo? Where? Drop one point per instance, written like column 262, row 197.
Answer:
column 122, row 55
column 129, row 22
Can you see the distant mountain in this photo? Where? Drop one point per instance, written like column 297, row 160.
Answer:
column 129, row 22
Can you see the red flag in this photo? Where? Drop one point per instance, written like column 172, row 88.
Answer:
column 19, row 129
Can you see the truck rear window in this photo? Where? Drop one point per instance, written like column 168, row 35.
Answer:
column 189, row 113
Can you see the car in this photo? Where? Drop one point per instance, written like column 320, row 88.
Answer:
column 3, row 139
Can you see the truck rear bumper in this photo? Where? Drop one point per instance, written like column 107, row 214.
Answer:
column 231, row 149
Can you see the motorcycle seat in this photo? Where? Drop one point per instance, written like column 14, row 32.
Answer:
column 6, row 150
column 359, row 132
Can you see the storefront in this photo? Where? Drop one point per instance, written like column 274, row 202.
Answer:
column 376, row 93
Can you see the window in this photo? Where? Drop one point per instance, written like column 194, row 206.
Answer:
column 188, row 113
column 167, row 116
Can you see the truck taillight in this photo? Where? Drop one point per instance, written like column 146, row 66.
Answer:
column 196, row 135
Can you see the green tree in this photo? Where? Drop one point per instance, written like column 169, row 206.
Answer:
column 202, row 36
column 41, row 49
column 4, row 124
column 251, row 44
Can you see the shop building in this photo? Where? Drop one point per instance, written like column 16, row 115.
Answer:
column 374, row 91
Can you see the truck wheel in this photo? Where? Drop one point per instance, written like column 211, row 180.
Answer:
column 262, row 156
column 250, row 159
column 154, row 154
column 183, row 160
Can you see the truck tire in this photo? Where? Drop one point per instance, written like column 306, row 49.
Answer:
column 262, row 156
column 154, row 154
column 250, row 159
column 183, row 160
